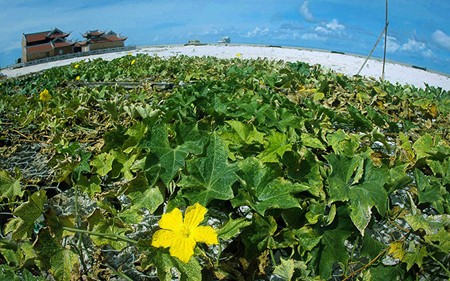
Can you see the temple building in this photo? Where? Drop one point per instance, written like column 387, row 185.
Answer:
column 96, row 40
column 45, row 44
column 52, row 43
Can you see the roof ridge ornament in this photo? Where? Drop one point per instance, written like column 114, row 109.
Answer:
column 55, row 30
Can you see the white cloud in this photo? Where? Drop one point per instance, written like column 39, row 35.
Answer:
column 392, row 45
column 427, row 53
column 335, row 25
column 305, row 12
column 322, row 29
column 312, row 37
column 441, row 39
column 257, row 32
column 413, row 46
column 332, row 27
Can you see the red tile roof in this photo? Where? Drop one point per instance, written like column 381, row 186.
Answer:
column 92, row 33
column 114, row 38
column 96, row 36
column 55, row 44
column 45, row 35
column 79, row 44
column 104, row 38
column 36, row 36
column 40, row 48
column 63, row 44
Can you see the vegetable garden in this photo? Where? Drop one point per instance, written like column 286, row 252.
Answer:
column 273, row 170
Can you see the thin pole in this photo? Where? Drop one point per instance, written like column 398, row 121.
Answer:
column 385, row 38
column 374, row 46
column 371, row 51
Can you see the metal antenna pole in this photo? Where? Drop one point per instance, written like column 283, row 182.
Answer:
column 374, row 46
column 371, row 51
column 385, row 38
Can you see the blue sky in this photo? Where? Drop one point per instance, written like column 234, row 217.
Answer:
column 419, row 30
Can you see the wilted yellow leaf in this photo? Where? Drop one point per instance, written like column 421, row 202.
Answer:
column 433, row 110
column 396, row 250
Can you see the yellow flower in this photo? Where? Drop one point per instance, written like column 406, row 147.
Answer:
column 77, row 78
column 133, row 62
column 238, row 55
column 77, row 65
column 44, row 96
column 396, row 250
column 181, row 235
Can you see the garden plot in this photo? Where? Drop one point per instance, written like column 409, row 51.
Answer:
column 242, row 169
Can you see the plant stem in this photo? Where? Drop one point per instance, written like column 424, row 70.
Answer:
column 216, row 263
column 121, row 274
column 105, row 235
column 366, row 266
column 10, row 203
column 441, row 265
column 80, row 235
column 372, row 261
column 272, row 257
